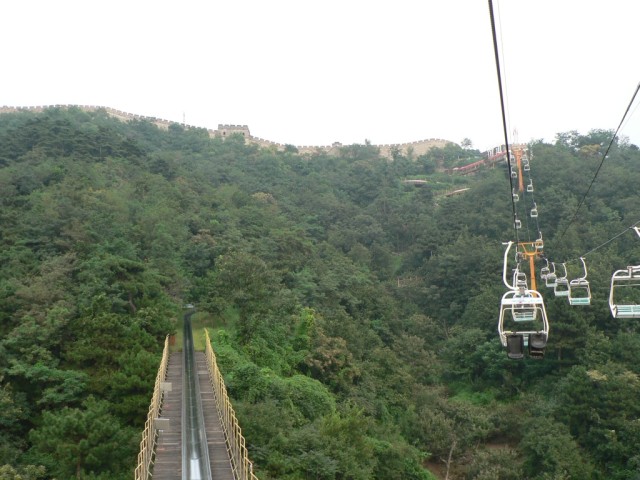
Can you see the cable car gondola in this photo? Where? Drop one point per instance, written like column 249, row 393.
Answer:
column 534, row 211
column 579, row 290
column 530, row 186
column 561, row 288
column 545, row 271
column 524, row 306
column 519, row 279
column 551, row 278
column 624, row 295
column 524, row 310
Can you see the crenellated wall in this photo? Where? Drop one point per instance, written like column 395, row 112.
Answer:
column 417, row 148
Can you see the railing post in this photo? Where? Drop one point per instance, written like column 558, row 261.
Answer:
column 236, row 447
column 149, row 435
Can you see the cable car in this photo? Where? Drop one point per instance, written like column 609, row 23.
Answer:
column 624, row 295
column 552, row 277
column 550, row 280
column 539, row 243
column 530, row 186
column 518, row 306
column 579, row 290
column 519, row 279
column 526, row 167
column 545, row 271
column 518, row 224
column 561, row 288
column 515, row 195
column 523, row 306
column 514, row 173
column 534, row 211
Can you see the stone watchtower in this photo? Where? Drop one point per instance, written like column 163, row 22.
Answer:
column 226, row 130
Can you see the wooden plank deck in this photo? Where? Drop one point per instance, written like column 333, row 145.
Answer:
column 168, row 461
column 218, row 455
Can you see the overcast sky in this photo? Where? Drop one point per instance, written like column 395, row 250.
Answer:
column 315, row 72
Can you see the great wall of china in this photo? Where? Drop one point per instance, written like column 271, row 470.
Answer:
column 417, row 148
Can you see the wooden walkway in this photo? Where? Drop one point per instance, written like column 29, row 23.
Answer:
column 218, row 455
column 168, row 461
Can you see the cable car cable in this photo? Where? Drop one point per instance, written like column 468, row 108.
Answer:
column 575, row 215
column 504, row 67
column 532, row 192
column 593, row 180
column 629, row 117
column 504, row 117
column 605, row 243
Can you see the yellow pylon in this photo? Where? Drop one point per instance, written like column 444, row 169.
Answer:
column 528, row 249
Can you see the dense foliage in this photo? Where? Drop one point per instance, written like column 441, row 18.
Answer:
column 337, row 369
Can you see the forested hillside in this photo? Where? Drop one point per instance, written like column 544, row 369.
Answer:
column 337, row 369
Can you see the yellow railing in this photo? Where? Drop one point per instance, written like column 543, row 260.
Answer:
column 240, row 463
column 149, row 436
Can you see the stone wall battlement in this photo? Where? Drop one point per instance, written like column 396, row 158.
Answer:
column 417, row 148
